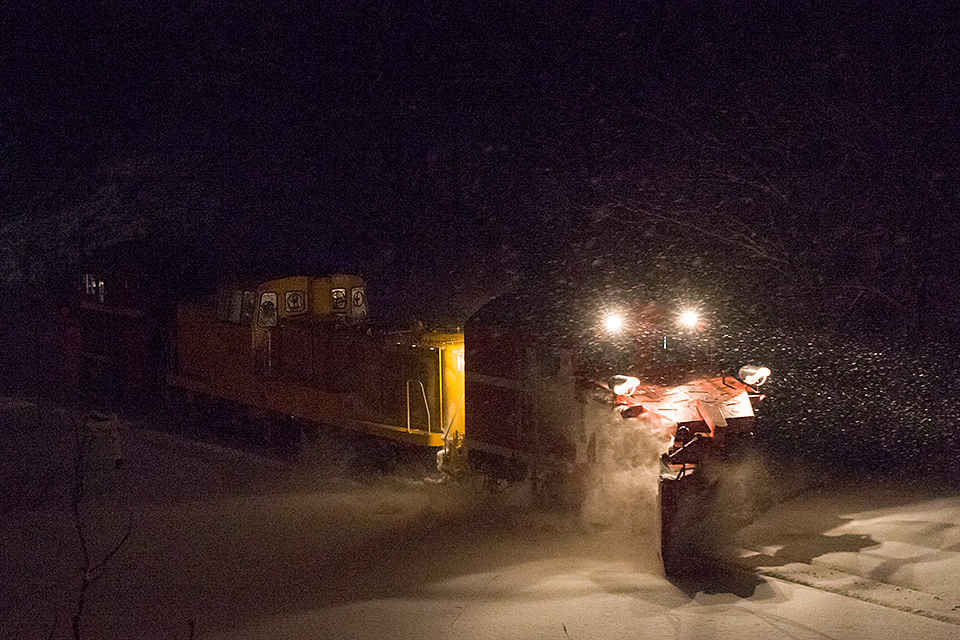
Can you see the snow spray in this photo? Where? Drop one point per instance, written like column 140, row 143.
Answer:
column 622, row 493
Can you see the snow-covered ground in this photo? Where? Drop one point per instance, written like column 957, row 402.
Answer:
column 229, row 545
column 890, row 544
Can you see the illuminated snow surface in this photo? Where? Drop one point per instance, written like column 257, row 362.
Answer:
column 241, row 547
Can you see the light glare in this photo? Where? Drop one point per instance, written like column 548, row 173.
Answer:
column 753, row 375
column 614, row 322
column 689, row 318
column 624, row 385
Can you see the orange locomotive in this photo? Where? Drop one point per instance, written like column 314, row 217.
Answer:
column 301, row 347
column 516, row 400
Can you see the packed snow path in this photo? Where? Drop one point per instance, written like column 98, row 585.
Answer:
column 226, row 545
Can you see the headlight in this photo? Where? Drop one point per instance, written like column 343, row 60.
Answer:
column 753, row 375
column 613, row 322
column 689, row 319
column 623, row 385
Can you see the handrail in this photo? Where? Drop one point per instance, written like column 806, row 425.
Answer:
column 426, row 405
column 446, row 430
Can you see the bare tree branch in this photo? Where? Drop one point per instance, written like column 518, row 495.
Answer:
column 91, row 571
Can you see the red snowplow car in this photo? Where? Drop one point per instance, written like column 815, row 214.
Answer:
column 545, row 369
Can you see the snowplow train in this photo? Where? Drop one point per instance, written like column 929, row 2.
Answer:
column 540, row 364
column 510, row 396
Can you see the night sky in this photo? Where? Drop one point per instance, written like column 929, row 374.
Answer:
column 450, row 152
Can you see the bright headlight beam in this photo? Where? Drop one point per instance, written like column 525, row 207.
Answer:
column 613, row 322
column 689, row 318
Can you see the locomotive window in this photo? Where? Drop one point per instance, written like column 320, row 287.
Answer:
column 268, row 310
column 94, row 286
column 548, row 359
column 236, row 306
column 228, row 306
column 359, row 301
column 339, row 300
column 248, row 306
column 295, row 301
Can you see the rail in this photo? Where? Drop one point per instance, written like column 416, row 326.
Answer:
column 426, row 405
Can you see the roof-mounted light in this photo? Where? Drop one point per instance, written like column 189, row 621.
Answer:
column 753, row 375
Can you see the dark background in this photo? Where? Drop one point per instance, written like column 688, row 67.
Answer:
column 791, row 164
